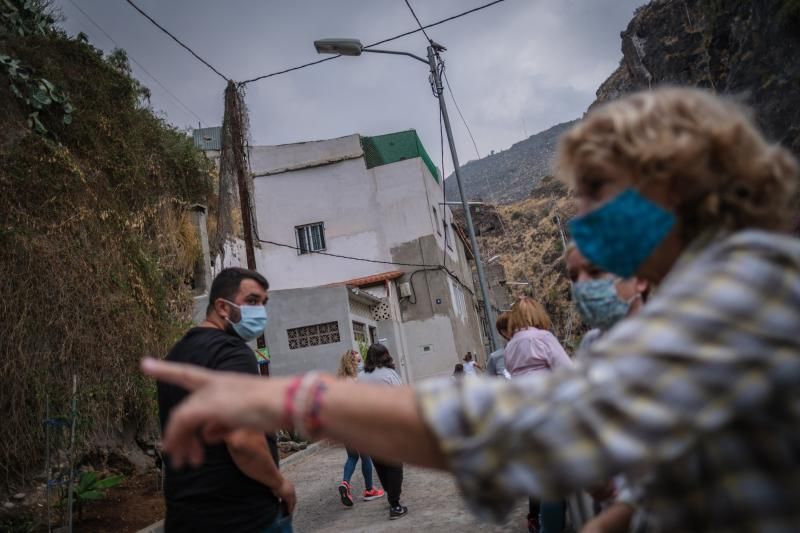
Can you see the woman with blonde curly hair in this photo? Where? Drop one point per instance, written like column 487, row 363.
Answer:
column 699, row 391
column 350, row 365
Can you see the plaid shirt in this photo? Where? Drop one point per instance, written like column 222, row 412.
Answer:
column 697, row 397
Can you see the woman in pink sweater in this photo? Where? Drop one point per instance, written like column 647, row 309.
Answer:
column 533, row 348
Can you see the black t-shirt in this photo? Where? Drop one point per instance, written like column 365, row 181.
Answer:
column 216, row 496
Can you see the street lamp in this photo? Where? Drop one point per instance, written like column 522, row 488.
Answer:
column 353, row 47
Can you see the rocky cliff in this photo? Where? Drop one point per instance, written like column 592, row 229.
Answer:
column 746, row 48
column 509, row 175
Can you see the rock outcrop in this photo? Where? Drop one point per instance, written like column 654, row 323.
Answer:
column 746, row 48
column 509, row 175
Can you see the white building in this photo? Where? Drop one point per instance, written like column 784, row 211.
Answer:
column 377, row 200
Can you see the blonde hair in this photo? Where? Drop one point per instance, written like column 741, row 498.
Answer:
column 705, row 149
column 348, row 366
column 528, row 313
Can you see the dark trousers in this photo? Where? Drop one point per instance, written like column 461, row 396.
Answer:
column 551, row 515
column 391, row 477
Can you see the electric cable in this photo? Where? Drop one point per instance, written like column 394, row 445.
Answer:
column 418, row 22
column 372, row 45
column 133, row 59
column 365, row 260
column 453, row 97
column 163, row 29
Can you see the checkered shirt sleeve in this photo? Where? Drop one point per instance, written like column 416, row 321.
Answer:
column 716, row 346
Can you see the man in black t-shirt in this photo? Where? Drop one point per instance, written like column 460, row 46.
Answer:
column 238, row 488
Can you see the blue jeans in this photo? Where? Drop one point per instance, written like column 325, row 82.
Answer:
column 350, row 467
column 283, row 524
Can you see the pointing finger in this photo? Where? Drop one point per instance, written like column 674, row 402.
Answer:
column 187, row 376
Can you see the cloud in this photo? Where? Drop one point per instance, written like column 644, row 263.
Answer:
column 536, row 62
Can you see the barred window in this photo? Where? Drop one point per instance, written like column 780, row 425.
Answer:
column 359, row 332
column 315, row 335
column 310, row 238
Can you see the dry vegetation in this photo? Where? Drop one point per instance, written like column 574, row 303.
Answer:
column 529, row 242
column 98, row 247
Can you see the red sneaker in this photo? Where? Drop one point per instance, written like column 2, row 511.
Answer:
column 345, row 494
column 373, row 494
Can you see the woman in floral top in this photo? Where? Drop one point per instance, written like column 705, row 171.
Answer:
column 699, row 392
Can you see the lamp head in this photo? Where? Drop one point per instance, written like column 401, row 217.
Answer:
column 345, row 47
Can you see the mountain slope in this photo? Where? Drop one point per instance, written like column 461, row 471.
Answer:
column 509, row 175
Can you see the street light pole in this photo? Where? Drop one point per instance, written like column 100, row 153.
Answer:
column 353, row 47
column 494, row 342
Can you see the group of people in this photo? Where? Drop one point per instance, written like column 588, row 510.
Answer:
column 681, row 409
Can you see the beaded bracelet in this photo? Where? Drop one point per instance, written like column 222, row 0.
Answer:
column 288, row 403
column 300, row 403
column 313, row 421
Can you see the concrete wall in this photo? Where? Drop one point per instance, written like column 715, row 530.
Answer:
column 305, row 307
column 285, row 157
column 366, row 212
column 343, row 197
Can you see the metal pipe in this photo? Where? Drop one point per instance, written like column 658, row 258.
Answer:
column 392, row 52
column 494, row 342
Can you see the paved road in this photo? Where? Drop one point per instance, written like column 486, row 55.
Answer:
column 431, row 497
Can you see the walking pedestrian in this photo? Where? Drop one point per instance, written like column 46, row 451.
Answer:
column 533, row 349
column 350, row 366
column 496, row 365
column 698, row 391
column 458, row 371
column 471, row 366
column 239, row 486
column 379, row 369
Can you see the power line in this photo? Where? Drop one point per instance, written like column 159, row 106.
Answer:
column 474, row 144
column 418, row 22
column 160, row 27
column 377, row 43
column 110, row 38
column 362, row 259
column 365, row 260
column 292, row 69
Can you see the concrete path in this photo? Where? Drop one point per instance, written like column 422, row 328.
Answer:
column 432, row 499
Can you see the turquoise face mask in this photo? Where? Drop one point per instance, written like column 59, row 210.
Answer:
column 621, row 234
column 598, row 303
column 252, row 323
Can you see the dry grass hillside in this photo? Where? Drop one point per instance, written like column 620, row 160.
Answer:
column 527, row 237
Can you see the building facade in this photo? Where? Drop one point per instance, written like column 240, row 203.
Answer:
column 358, row 247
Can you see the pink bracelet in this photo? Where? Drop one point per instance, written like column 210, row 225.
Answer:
column 288, row 403
column 301, row 400
column 313, row 421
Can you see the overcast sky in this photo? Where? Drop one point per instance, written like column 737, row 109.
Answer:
column 521, row 65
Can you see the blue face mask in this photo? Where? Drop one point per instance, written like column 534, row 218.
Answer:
column 360, row 366
column 252, row 323
column 620, row 235
column 598, row 303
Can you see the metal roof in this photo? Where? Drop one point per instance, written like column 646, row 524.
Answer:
column 208, row 138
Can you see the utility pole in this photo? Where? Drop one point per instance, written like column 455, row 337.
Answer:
column 434, row 61
column 235, row 113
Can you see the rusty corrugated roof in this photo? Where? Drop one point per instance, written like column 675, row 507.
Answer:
column 374, row 279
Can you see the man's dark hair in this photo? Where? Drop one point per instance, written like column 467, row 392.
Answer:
column 468, row 357
column 378, row 357
column 459, row 369
column 227, row 283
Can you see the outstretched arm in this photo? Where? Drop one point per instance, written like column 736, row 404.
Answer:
column 381, row 421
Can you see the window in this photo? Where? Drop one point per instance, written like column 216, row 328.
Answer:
column 360, row 332
column 310, row 238
column 315, row 335
column 436, row 221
